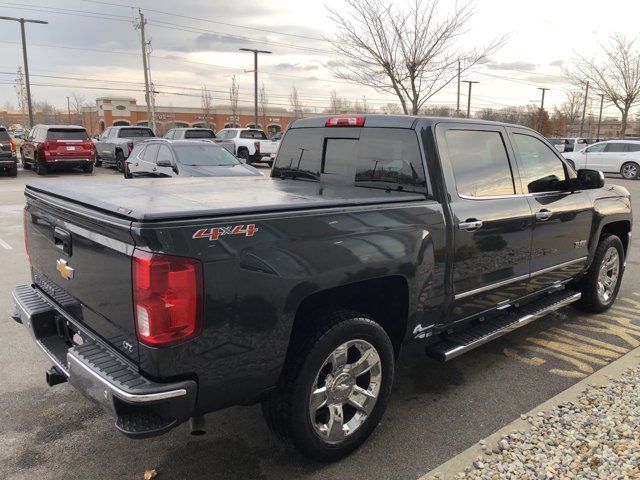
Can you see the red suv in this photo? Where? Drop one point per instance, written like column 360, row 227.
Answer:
column 8, row 161
column 54, row 146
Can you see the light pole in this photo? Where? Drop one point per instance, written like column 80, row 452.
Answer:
column 542, row 108
column 255, row 80
column 601, row 95
column 470, row 82
column 68, row 110
column 22, row 21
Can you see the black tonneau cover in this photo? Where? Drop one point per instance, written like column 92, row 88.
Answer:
column 172, row 199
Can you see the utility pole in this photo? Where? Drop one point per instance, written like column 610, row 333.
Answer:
column 147, row 94
column 470, row 82
column 458, row 102
column 601, row 95
column 255, row 80
column 541, row 122
column 22, row 21
column 584, row 110
column 68, row 111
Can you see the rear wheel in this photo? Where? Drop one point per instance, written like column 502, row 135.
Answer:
column 88, row 168
column 335, row 386
column 630, row 170
column 601, row 284
column 41, row 167
column 13, row 171
column 120, row 161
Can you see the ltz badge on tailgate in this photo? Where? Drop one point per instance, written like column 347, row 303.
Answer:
column 216, row 232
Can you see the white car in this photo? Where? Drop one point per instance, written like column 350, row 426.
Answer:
column 612, row 156
column 573, row 144
column 251, row 144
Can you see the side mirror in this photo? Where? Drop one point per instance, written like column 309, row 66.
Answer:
column 164, row 163
column 590, row 179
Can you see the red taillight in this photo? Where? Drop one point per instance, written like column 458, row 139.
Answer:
column 345, row 121
column 257, row 145
column 13, row 147
column 167, row 298
column 24, row 228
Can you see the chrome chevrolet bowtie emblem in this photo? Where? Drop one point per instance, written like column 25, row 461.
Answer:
column 66, row 271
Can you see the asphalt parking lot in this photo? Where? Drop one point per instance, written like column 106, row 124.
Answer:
column 435, row 412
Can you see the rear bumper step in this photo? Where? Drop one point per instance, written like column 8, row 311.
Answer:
column 452, row 346
column 142, row 406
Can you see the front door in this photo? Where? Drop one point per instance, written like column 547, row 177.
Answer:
column 562, row 217
column 492, row 218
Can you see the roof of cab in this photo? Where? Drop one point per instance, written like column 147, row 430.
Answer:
column 396, row 121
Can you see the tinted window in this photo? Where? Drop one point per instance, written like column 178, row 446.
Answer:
column 204, row 154
column 543, row 171
column 480, row 163
column 67, row 134
column 113, row 133
column 135, row 132
column 151, row 152
column 4, row 136
column 164, row 154
column 257, row 134
column 199, row 133
column 170, row 134
column 598, row 147
column 633, row 147
column 615, row 147
column 368, row 157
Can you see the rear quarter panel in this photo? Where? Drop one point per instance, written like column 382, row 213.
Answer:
column 255, row 283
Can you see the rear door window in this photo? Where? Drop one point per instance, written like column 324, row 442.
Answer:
column 67, row 134
column 633, row 147
column 481, row 167
column 615, row 147
column 151, row 152
column 199, row 133
column 164, row 154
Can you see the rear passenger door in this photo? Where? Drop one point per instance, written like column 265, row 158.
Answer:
column 562, row 218
column 144, row 165
column 492, row 218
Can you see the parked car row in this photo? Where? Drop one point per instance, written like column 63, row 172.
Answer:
column 198, row 152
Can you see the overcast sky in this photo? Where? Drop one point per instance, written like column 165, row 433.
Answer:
column 195, row 43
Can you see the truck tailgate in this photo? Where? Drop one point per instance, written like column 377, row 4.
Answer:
column 81, row 258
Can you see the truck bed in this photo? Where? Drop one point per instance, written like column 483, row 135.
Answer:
column 161, row 199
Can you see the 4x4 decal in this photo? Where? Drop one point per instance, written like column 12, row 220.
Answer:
column 216, row 232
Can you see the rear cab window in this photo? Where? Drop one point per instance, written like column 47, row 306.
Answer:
column 67, row 134
column 384, row 158
column 135, row 133
column 257, row 134
column 199, row 133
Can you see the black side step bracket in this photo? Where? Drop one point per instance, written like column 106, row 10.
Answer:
column 454, row 345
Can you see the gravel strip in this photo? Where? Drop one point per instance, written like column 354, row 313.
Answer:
column 597, row 436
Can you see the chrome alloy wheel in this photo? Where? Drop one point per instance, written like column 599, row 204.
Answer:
column 630, row 171
column 345, row 390
column 608, row 275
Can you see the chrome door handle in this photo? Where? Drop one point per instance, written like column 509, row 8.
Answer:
column 470, row 225
column 543, row 215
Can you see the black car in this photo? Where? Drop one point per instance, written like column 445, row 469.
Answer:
column 8, row 162
column 184, row 158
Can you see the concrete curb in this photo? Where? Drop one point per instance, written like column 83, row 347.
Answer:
column 457, row 464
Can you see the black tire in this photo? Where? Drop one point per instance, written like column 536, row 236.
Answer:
column 13, row 171
column 287, row 410
column 127, row 172
column 630, row 170
column 88, row 168
column 96, row 159
column 41, row 168
column 120, row 161
column 243, row 153
column 591, row 300
column 25, row 165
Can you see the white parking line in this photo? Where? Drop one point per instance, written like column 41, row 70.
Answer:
column 4, row 245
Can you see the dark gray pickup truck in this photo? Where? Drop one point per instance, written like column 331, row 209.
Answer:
column 165, row 300
column 116, row 143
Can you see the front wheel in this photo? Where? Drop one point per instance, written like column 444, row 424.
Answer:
column 601, row 284
column 335, row 386
column 96, row 159
column 630, row 170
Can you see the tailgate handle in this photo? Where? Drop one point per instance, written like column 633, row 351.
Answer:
column 62, row 240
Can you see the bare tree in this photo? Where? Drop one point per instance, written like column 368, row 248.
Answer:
column 234, row 92
column 21, row 92
column 295, row 102
column 617, row 77
column 263, row 100
column 335, row 103
column 49, row 114
column 412, row 52
column 78, row 101
column 207, row 106
column 391, row 109
column 571, row 108
column 8, row 105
